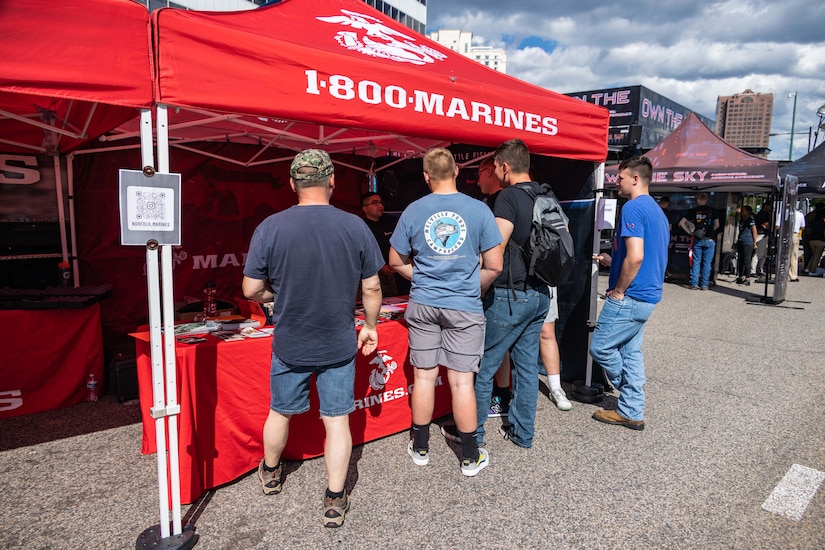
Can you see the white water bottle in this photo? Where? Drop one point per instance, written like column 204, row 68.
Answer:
column 91, row 389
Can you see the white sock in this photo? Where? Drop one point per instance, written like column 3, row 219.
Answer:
column 554, row 380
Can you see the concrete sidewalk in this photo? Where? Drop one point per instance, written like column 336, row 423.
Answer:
column 734, row 402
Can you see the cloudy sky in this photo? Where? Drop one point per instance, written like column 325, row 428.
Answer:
column 688, row 51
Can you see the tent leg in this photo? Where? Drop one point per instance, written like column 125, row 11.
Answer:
column 585, row 390
column 164, row 376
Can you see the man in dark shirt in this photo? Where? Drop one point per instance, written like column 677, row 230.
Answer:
column 308, row 261
column 516, row 304
column 763, row 221
column 701, row 222
column 382, row 227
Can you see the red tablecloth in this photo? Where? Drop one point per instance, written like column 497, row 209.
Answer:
column 223, row 390
column 46, row 357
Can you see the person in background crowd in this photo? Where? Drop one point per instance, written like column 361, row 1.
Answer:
column 796, row 230
column 671, row 216
column 637, row 274
column 515, row 306
column 382, row 227
column 309, row 261
column 488, row 183
column 491, row 186
column 745, row 244
column 702, row 223
column 763, row 222
column 816, row 240
column 664, row 203
column 437, row 244
column 806, row 232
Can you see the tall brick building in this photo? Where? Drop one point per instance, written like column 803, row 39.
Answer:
column 744, row 120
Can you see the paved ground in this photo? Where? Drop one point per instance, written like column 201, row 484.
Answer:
column 734, row 402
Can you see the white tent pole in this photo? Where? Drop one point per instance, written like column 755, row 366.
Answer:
column 172, row 406
column 153, row 285
column 594, row 271
column 147, row 152
column 61, row 214
column 157, row 411
column 72, row 223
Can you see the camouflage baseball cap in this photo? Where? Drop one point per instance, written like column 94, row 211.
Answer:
column 311, row 158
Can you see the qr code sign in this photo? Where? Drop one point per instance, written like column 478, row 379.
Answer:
column 149, row 205
column 151, row 209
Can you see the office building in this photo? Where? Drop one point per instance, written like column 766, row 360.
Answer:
column 462, row 42
column 744, row 121
column 412, row 13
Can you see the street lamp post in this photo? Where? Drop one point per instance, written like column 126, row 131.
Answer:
column 793, row 124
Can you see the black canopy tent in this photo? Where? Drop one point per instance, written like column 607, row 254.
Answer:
column 693, row 159
column 809, row 171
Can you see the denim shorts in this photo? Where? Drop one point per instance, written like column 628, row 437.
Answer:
column 289, row 388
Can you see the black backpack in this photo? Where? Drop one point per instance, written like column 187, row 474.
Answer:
column 548, row 253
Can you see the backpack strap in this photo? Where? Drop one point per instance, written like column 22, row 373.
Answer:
column 528, row 188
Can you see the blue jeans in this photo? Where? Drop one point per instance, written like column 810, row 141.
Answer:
column 703, row 251
column 514, row 325
column 617, row 347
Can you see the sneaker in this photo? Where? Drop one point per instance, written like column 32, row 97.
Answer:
column 450, row 431
column 420, row 457
column 558, row 397
column 270, row 481
column 746, row 283
column 498, row 408
column 506, row 432
column 470, row 468
column 335, row 509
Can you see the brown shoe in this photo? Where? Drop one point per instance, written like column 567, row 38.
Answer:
column 270, row 481
column 335, row 510
column 612, row 417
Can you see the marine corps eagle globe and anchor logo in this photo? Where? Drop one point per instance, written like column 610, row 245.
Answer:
column 373, row 38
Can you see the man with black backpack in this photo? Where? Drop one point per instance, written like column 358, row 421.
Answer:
column 516, row 304
column 701, row 222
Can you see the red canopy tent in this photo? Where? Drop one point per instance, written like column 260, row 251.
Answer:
column 338, row 75
column 70, row 71
column 693, row 158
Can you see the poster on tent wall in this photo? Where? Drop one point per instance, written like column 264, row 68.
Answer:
column 221, row 205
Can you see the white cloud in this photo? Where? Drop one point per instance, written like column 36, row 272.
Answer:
column 690, row 52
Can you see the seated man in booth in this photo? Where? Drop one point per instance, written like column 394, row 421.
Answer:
column 392, row 284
